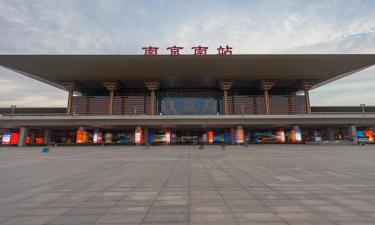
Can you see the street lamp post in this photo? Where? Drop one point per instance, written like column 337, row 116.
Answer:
column 13, row 109
column 363, row 107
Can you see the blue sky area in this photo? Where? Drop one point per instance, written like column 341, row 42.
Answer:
column 124, row 27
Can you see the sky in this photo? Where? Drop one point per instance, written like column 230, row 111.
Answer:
column 124, row 27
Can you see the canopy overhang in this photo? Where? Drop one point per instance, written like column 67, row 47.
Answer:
column 92, row 70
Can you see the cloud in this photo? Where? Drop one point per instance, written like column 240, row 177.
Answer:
column 123, row 27
column 354, row 89
column 26, row 92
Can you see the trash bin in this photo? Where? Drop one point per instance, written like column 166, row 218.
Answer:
column 45, row 149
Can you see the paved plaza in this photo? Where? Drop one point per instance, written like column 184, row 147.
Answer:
column 258, row 184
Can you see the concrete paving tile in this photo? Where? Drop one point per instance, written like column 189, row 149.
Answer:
column 75, row 219
column 121, row 219
column 28, row 220
column 169, row 209
column 5, row 218
column 258, row 217
column 249, row 209
column 87, row 211
column 210, row 209
column 128, row 209
column 96, row 204
column 356, row 223
column 5, row 212
column 126, row 203
column 289, row 209
column 171, row 202
column 312, row 222
column 265, row 223
column 47, row 211
column 201, row 218
column 348, row 217
column 128, row 185
column 167, row 218
column 165, row 223
column 302, row 217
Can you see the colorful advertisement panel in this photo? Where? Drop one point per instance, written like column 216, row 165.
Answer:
column 39, row 140
column 370, row 135
column 138, row 137
column 81, row 137
column 14, row 138
column 98, row 137
column 240, row 136
column 6, row 138
column 280, row 136
column 295, row 135
column 210, row 136
column 108, row 137
column 167, row 137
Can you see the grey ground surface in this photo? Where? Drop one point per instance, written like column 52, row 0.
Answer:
column 262, row 184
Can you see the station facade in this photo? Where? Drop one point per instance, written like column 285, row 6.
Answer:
column 210, row 99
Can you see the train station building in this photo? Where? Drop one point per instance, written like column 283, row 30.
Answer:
column 186, row 99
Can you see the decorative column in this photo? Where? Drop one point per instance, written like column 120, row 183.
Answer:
column 266, row 86
column 232, row 135
column 145, row 136
column 225, row 86
column 111, row 87
column 353, row 134
column 32, row 137
column 330, row 134
column 306, row 86
column 47, row 135
column 152, row 86
column 69, row 86
column 23, row 135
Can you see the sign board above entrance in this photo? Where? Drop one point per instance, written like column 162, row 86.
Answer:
column 198, row 50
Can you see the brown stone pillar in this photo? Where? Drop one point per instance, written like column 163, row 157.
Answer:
column 225, row 86
column 266, row 86
column 69, row 86
column 266, row 102
column 111, row 87
column 307, row 85
column 153, row 102
column 307, row 101
column 69, row 106
column 232, row 135
column 152, row 86
column 225, row 101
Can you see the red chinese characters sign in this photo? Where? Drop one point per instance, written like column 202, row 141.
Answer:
column 150, row 50
column 175, row 50
column 224, row 51
column 197, row 50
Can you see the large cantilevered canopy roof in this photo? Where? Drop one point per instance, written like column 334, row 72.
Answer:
column 92, row 70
